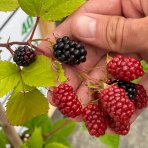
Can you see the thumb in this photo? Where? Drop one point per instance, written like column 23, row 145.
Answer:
column 113, row 33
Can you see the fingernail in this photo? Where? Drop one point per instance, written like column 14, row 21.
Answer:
column 86, row 26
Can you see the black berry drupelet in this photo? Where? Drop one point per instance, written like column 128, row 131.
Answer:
column 24, row 56
column 69, row 52
column 129, row 87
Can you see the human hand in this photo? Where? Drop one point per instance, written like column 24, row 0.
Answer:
column 116, row 26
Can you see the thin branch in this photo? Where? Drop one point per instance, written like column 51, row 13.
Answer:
column 13, row 43
column 53, row 132
column 34, row 28
column 9, row 130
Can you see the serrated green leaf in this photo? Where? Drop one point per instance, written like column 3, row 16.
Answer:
column 55, row 145
column 43, row 121
column 112, row 141
column 145, row 65
column 23, row 107
column 60, row 73
column 50, row 10
column 21, row 87
column 39, row 73
column 4, row 6
column 9, row 77
column 36, row 140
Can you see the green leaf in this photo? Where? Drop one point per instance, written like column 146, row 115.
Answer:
column 10, row 5
column 9, row 77
column 24, row 145
column 61, row 140
column 50, row 10
column 23, row 107
column 21, row 87
column 39, row 73
column 36, row 140
column 68, row 127
column 55, row 145
column 83, row 127
column 65, row 128
column 112, row 141
column 42, row 121
column 60, row 73
column 3, row 139
column 145, row 65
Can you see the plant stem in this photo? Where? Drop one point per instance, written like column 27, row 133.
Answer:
column 12, row 43
column 53, row 132
column 34, row 28
column 9, row 130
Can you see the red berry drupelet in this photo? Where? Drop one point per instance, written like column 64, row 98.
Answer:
column 116, row 103
column 24, row 56
column 125, row 68
column 67, row 101
column 140, row 99
column 95, row 120
column 118, row 127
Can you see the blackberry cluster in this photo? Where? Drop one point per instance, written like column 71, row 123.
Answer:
column 129, row 87
column 69, row 52
column 24, row 56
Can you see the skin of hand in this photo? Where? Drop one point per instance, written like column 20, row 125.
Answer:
column 118, row 26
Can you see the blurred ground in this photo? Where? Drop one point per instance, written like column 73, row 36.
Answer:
column 137, row 138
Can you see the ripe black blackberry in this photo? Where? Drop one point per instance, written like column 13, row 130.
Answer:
column 69, row 52
column 24, row 56
column 129, row 87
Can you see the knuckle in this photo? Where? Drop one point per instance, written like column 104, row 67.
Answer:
column 115, row 32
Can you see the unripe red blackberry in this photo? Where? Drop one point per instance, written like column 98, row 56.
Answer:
column 67, row 101
column 116, row 103
column 125, row 68
column 140, row 99
column 95, row 120
column 69, row 52
column 24, row 56
column 118, row 127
